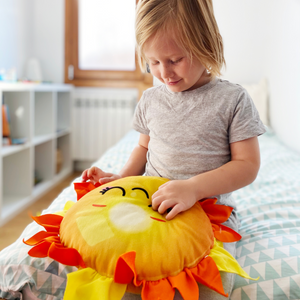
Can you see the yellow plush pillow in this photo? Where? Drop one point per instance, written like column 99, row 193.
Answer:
column 120, row 243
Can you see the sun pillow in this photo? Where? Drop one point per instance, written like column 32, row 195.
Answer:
column 119, row 243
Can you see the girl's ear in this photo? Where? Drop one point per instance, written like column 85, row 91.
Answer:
column 148, row 68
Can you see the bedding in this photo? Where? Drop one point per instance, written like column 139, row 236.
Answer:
column 269, row 210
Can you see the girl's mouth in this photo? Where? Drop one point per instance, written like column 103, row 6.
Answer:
column 173, row 82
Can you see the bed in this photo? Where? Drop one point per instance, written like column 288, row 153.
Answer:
column 269, row 210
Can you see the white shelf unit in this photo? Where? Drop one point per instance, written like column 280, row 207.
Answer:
column 40, row 114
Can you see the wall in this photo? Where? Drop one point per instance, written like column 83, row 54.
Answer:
column 33, row 28
column 48, row 30
column 283, row 71
column 15, row 34
column 242, row 26
column 262, row 39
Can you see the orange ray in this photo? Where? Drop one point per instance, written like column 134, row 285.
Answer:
column 48, row 243
column 83, row 188
column 207, row 273
column 225, row 234
column 66, row 256
column 156, row 290
column 186, row 285
column 125, row 270
column 41, row 250
column 217, row 213
column 50, row 222
column 38, row 238
column 53, row 239
column 208, row 201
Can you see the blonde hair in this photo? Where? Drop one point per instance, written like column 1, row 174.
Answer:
column 193, row 23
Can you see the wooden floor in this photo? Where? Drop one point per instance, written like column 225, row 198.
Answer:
column 10, row 231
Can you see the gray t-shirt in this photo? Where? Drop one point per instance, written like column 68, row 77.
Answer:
column 191, row 131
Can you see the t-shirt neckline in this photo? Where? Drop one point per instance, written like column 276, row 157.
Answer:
column 202, row 88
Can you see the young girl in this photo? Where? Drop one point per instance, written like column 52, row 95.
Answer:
column 195, row 129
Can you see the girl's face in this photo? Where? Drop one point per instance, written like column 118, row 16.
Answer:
column 169, row 63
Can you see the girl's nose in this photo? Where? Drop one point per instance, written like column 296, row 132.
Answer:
column 166, row 71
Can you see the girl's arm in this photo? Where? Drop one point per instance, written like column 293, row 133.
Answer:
column 239, row 172
column 134, row 166
column 138, row 158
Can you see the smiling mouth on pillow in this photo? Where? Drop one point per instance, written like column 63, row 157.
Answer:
column 120, row 243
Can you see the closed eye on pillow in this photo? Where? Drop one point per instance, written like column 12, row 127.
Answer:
column 119, row 243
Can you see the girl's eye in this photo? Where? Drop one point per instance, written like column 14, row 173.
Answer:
column 177, row 61
column 154, row 63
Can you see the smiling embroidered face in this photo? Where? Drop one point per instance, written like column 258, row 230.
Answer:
column 126, row 209
column 117, row 218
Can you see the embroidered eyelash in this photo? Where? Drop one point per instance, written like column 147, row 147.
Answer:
column 113, row 187
column 105, row 190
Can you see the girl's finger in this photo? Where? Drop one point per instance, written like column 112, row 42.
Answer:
column 105, row 180
column 174, row 212
column 85, row 175
column 163, row 185
column 165, row 206
column 159, row 191
column 156, row 201
column 91, row 172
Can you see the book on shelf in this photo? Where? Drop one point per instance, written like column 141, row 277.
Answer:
column 6, row 140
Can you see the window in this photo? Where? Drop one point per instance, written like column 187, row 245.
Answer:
column 100, row 44
column 117, row 52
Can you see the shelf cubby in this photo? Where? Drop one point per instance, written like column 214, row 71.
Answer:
column 16, row 182
column 18, row 104
column 40, row 117
column 64, row 148
column 43, row 123
column 43, row 162
column 63, row 112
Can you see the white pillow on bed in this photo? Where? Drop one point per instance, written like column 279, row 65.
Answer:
column 259, row 94
column 257, row 91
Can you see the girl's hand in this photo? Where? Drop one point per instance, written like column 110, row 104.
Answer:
column 95, row 175
column 179, row 195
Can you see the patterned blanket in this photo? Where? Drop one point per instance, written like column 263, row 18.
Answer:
column 269, row 210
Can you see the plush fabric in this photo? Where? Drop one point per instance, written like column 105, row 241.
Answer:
column 109, row 214
column 120, row 243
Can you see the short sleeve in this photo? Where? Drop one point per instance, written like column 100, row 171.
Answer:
column 139, row 122
column 245, row 122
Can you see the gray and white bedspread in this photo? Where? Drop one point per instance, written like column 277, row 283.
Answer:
column 269, row 210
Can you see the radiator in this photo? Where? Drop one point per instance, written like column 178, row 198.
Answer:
column 101, row 117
